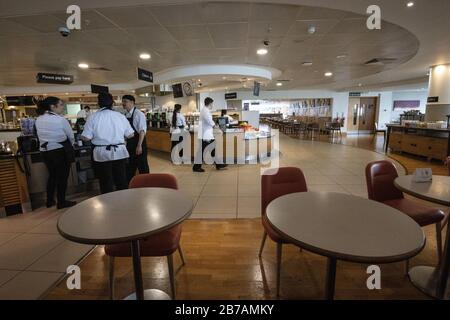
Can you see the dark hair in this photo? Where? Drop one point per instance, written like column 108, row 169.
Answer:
column 208, row 101
column 223, row 112
column 45, row 105
column 129, row 97
column 87, row 107
column 176, row 110
column 105, row 100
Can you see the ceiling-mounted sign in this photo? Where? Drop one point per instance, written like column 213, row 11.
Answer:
column 54, row 78
column 95, row 88
column 20, row 101
column 433, row 99
column 231, row 95
column 256, row 88
column 145, row 75
column 177, row 90
column 355, row 94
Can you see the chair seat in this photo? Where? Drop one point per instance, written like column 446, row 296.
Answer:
column 423, row 215
column 162, row 244
column 271, row 232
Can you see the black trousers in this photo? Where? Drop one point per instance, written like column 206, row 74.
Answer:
column 139, row 163
column 110, row 174
column 58, row 173
column 205, row 143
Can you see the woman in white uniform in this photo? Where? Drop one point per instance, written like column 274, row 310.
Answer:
column 56, row 140
column 178, row 124
column 107, row 130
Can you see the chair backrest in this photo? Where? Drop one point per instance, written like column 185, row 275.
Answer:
column 448, row 165
column 281, row 181
column 154, row 180
column 380, row 176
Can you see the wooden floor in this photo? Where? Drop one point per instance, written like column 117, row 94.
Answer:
column 222, row 263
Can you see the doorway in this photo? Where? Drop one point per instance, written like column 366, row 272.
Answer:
column 362, row 114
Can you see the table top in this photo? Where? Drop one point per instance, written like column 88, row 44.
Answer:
column 124, row 216
column 437, row 191
column 346, row 227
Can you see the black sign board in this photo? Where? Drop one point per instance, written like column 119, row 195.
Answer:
column 19, row 101
column 256, row 88
column 177, row 90
column 231, row 95
column 355, row 94
column 54, row 78
column 99, row 89
column 145, row 75
column 433, row 99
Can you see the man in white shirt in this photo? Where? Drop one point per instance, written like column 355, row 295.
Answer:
column 137, row 146
column 206, row 135
column 107, row 130
column 84, row 113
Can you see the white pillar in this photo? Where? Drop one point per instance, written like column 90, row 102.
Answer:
column 439, row 91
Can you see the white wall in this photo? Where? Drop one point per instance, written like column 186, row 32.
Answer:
column 408, row 95
column 189, row 104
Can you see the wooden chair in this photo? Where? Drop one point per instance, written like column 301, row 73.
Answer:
column 276, row 183
column 161, row 244
column 376, row 131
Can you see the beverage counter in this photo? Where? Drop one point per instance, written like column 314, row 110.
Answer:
column 432, row 143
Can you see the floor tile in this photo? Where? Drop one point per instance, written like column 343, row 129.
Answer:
column 6, row 275
column 219, row 190
column 28, row 285
column 216, row 205
column 5, row 237
column 249, row 207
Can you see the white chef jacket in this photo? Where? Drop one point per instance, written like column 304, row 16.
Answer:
column 53, row 128
column 83, row 114
column 105, row 128
column 139, row 120
column 206, row 125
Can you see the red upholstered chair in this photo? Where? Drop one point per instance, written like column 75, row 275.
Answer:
column 276, row 183
column 380, row 176
column 162, row 244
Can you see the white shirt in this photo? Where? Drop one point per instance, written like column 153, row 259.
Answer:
column 206, row 125
column 53, row 128
column 180, row 122
column 139, row 120
column 104, row 128
column 83, row 114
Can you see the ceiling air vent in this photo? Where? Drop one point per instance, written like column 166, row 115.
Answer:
column 100, row 69
column 379, row 61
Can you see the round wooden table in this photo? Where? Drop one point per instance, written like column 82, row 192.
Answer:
column 126, row 216
column 344, row 227
column 433, row 281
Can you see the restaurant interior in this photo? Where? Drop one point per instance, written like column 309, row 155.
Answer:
column 333, row 118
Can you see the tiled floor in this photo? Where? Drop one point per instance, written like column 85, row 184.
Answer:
column 33, row 256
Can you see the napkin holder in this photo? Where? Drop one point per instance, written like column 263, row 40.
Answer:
column 423, row 175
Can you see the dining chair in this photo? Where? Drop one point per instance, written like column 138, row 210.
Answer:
column 380, row 176
column 448, row 165
column 162, row 244
column 276, row 183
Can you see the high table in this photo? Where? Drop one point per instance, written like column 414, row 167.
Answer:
column 345, row 227
column 433, row 281
column 126, row 216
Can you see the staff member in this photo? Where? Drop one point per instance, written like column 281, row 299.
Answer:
column 178, row 123
column 137, row 145
column 206, row 135
column 84, row 113
column 56, row 139
column 107, row 130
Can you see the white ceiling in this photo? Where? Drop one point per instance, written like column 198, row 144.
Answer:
column 115, row 32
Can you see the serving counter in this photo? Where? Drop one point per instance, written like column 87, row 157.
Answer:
column 238, row 146
column 427, row 142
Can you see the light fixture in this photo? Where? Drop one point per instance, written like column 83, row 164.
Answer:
column 341, row 56
column 279, row 84
column 359, row 84
column 83, row 65
column 311, row 29
column 262, row 51
column 328, row 74
column 410, row 4
column 307, row 64
column 224, row 78
column 145, row 56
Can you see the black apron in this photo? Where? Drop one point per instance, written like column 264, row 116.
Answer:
column 132, row 143
column 69, row 152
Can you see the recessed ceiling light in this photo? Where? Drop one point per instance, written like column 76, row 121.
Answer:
column 307, row 64
column 328, row 74
column 83, row 65
column 410, row 4
column 359, row 84
column 199, row 80
column 145, row 56
column 262, row 51
column 66, row 93
column 341, row 56
column 279, row 84
column 224, row 78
